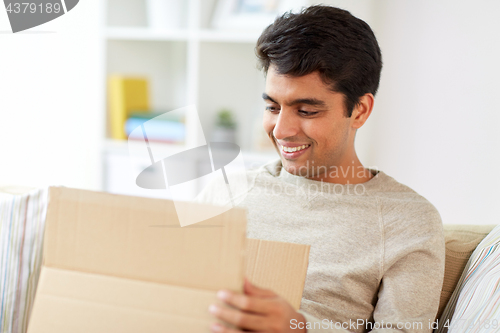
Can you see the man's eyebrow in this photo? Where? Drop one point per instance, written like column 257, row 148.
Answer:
column 266, row 97
column 308, row 101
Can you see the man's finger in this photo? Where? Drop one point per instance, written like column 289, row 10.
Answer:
column 244, row 320
column 247, row 303
column 253, row 290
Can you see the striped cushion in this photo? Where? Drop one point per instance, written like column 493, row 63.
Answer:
column 22, row 221
column 461, row 240
column 475, row 303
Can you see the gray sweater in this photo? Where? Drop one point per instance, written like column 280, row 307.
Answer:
column 377, row 248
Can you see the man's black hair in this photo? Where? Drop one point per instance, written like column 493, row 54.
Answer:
column 341, row 47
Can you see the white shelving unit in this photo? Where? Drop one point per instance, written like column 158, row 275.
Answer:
column 203, row 35
column 192, row 64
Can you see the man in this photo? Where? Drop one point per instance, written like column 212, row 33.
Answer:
column 377, row 247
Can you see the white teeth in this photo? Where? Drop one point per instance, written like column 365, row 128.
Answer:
column 291, row 150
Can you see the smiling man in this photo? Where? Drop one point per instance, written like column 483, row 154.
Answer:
column 377, row 247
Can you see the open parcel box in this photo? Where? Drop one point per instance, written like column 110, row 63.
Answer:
column 123, row 264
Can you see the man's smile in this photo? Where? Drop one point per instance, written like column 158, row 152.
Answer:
column 292, row 151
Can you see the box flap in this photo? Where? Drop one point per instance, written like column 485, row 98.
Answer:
column 141, row 238
column 279, row 266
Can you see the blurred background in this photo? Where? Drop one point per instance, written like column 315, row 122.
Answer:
column 64, row 110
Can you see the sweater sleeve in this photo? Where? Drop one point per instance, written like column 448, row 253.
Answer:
column 412, row 271
column 316, row 325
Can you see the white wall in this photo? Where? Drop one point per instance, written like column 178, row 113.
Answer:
column 52, row 100
column 435, row 122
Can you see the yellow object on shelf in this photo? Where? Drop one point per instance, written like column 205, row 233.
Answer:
column 125, row 94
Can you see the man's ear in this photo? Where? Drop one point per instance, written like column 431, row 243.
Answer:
column 362, row 110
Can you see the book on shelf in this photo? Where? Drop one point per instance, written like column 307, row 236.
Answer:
column 125, row 94
column 157, row 127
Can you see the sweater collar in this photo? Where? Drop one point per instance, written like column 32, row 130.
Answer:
column 276, row 169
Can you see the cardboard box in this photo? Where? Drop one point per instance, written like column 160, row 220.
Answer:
column 124, row 264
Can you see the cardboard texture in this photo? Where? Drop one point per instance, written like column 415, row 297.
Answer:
column 124, row 264
column 278, row 266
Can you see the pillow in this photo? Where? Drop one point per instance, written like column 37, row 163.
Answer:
column 461, row 240
column 22, row 223
column 475, row 300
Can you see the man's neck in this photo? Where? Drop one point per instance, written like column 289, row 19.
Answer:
column 349, row 172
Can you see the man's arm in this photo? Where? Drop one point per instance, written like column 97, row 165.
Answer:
column 410, row 289
column 412, row 272
column 414, row 258
column 411, row 267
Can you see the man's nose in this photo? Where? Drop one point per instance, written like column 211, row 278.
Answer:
column 287, row 125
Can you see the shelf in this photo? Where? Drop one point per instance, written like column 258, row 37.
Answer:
column 191, row 64
column 208, row 35
column 205, row 35
column 143, row 33
column 122, row 146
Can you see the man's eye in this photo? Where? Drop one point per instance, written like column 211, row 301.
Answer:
column 272, row 109
column 307, row 113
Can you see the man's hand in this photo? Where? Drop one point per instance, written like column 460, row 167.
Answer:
column 258, row 310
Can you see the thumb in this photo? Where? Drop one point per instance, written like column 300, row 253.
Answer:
column 253, row 290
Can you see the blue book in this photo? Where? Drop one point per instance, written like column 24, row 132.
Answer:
column 156, row 129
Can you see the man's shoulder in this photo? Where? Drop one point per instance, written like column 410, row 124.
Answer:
column 216, row 190
column 400, row 202
column 385, row 184
column 271, row 168
column 268, row 172
column 388, row 187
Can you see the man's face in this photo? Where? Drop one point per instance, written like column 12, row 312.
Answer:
column 304, row 115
